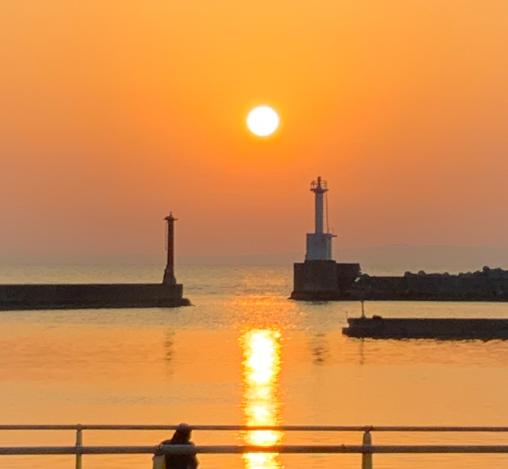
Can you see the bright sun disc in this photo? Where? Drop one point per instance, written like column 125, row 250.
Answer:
column 263, row 121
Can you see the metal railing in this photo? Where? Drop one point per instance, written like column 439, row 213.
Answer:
column 366, row 449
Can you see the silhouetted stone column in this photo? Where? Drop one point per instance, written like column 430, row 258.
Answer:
column 169, row 271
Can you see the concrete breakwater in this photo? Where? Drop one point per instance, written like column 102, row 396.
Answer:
column 483, row 285
column 433, row 328
column 169, row 293
column 328, row 280
column 76, row 296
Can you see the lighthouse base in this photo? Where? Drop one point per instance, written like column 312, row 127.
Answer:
column 320, row 280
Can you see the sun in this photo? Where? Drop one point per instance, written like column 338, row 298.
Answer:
column 263, row 121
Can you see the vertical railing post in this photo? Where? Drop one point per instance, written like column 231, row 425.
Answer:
column 367, row 456
column 79, row 443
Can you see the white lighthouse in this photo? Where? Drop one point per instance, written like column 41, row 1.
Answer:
column 320, row 278
column 319, row 243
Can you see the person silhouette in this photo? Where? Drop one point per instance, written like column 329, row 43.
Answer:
column 180, row 461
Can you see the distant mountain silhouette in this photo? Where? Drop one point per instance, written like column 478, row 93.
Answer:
column 389, row 259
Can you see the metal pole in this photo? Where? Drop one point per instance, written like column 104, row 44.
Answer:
column 79, row 444
column 367, row 456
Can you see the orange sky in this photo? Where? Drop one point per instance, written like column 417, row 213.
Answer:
column 114, row 112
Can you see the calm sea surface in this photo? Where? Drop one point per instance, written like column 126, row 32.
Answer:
column 243, row 354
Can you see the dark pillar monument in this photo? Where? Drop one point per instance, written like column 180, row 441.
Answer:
column 169, row 271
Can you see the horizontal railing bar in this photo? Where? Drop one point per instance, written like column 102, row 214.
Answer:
column 286, row 449
column 285, row 428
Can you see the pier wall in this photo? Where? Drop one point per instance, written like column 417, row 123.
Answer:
column 328, row 280
column 323, row 280
column 73, row 296
column 433, row 328
column 432, row 287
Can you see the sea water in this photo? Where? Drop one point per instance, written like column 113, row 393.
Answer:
column 242, row 354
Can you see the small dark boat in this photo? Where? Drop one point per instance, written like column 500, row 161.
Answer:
column 426, row 328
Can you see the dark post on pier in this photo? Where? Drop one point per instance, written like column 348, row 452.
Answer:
column 169, row 271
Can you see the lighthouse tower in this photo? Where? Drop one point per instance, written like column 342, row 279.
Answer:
column 320, row 278
column 319, row 243
column 169, row 271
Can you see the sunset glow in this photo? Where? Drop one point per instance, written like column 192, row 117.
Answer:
column 250, row 228
column 385, row 99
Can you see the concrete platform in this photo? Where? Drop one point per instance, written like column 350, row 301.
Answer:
column 79, row 296
column 428, row 328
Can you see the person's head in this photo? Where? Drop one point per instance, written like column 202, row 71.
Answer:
column 182, row 434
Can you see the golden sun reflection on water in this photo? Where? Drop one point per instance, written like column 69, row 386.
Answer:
column 261, row 368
